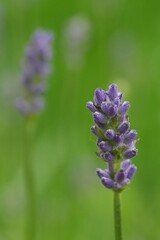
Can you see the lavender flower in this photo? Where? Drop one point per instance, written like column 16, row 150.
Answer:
column 115, row 140
column 37, row 67
column 77, row 34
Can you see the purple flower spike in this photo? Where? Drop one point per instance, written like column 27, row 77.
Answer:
column 116, row 143
column 91, row 107
column 131, row 171
column 36, row 69
column 109, row 183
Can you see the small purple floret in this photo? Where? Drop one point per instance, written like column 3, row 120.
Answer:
column 105, row 146
column 130, row 136
column 100, row 118
column 120, row 176
column 102, row 173
column 124, row 108
column 109, row 183
column 126, row 164
column 99, row 96
column 130, row 153
column 91, row 107
column 109, row 134
column 124, row 127
column 113, row 91
column 131, row 171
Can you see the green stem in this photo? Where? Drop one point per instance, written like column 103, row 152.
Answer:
column 117, row 216
column 29, row 181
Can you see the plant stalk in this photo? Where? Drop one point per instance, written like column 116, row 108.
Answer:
column 29, row 182
column 117, row 216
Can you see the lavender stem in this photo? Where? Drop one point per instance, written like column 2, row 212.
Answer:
column 117, row 216
column 29, row 182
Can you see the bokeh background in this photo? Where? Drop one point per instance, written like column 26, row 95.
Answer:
column 115, row 41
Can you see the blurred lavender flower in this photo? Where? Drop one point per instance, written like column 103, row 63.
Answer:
column 116, row 142
column 37, row 67
column 77, row 33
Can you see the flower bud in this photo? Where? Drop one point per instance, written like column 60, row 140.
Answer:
column 130, row 153
column 117, row 101
column 99, row 96
column 112, row 110
column 124, row 127
column 120, row 176
column 124, row 108
column 94, row 130
column 91, row 107
column 105, row 146
column 102, row 173
column 126, row 164
column 130, row 136
column 113, row 91
column 100, row 118
column 118, row 139
column 109, row 183
column 108, row 156
column 131, row 171
column 109, row 134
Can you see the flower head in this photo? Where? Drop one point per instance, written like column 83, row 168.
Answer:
column 36, row 69
column 115, row 140
column 77, row 33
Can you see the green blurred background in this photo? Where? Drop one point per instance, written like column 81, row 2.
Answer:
column 123, row 46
